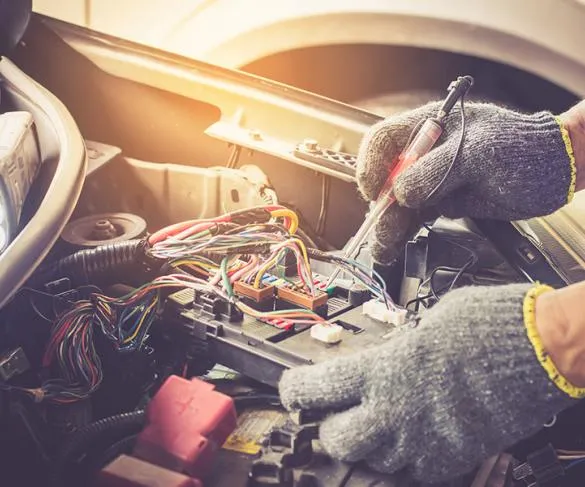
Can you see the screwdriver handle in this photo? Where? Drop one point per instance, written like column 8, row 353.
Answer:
column 421, row 144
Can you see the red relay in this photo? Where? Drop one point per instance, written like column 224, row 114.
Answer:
column 187, row 422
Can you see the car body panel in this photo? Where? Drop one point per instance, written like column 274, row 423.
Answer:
column 544, row 37
column 256, row 113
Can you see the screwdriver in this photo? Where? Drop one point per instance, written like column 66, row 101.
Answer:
column 424, row 140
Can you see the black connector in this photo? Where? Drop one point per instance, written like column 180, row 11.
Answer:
column 540, row 469
column 358, row 294
column 250, row 215
column 286, row 266
column 217, row 308
column 13, row 363
column 287, row 449
column 457, row 89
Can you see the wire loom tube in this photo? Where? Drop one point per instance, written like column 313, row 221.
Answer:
column 86, row 266
column 120, row 426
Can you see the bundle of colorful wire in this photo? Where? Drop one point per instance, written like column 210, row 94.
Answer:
column 125, row 322
column 185, row 238
column 251, row 249
column 72, row 346
column 241, row 246
column 373, row 282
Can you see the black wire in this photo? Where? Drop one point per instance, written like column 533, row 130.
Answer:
column 267, row 227
column 458, row 270
column 359, row 250
column 90, row 437
column 320, row 228
column 304, row 236
column 53, row 297
column 460, row 273
column 91, row 464
column 457, row 152
column 38, row 312
column 89, row 287
column 434, row 294
column 419, row 300
column 309, row 230
column 42, row 293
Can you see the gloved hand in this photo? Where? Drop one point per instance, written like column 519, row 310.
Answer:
column 437, row 399
column 511, row 166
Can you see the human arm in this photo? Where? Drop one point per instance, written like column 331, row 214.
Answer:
column 435, row 400
column 560, row 323
column 487, row 366
column 511, row 166
column 573, row 120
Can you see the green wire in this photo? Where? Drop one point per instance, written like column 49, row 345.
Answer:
column 226, row 280
column 197, row 235
column 286, row 311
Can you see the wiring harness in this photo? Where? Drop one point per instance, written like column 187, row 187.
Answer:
column 206, row 255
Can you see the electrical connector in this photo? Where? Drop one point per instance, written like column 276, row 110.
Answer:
column 13, row 363
column 377, row 310
column 326, row 332
column 303, row 299
column 258, row 295
column 541, row 468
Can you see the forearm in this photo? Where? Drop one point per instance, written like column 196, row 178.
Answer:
column 560, row 321
column 559, row 314
column 574, row 121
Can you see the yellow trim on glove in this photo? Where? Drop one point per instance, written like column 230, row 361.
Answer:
column 541, row 354
column 571, row 154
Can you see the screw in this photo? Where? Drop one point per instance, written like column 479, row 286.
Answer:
column 310, row 145
column 255, row 135
column 104, row 230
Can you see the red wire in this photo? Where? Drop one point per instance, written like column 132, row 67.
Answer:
column 194, row 229
column 172, row 230
column 275, row 207
column 53, row 343
column 177, row 228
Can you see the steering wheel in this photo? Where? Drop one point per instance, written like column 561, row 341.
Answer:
column 62, row 144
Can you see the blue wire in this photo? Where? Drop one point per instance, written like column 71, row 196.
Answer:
column 127, row 314
column 376, row 278
column 575, row 463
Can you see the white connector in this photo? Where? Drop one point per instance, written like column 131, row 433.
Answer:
column 326, row 332
column 377, row 310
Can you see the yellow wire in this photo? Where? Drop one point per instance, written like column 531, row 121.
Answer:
column 273, row 262
column 134, row 335
column 301, row 244
column 194, row 262
column 285, row 212
column 205, row 265
column 262, row 270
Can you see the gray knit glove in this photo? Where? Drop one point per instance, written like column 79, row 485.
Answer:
column 512, row 166
column 437, row 399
